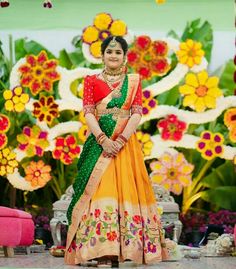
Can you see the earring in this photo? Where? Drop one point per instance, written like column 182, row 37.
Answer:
column 125, row 61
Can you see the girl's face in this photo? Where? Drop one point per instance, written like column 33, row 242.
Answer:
column 113, row 56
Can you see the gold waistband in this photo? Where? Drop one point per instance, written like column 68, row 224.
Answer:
column 117, row 112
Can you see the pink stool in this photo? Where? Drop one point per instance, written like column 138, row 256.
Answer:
column 16, row 229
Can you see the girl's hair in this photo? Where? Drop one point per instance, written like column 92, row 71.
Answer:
column 119, row 39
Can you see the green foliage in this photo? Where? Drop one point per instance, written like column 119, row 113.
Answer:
column 221, row 183
column 226, row 79
column 24, row 47
column 169, row 98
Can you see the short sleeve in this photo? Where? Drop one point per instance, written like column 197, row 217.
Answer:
column 88, row 96
column 137, row 103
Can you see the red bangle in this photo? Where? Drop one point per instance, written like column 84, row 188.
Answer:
column 123, row 138
column 99, row 136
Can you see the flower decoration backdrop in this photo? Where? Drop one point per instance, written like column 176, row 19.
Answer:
column 187, row 132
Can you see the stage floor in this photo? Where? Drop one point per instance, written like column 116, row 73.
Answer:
column 45, row 260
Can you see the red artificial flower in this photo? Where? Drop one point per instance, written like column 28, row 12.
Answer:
column 143, row 42
column 160, row 66
column 132, row 57
column 66, row 149
column 144, row 71
column 160, row 47
column 4, row 123
column 3, row 140
column 172, row 128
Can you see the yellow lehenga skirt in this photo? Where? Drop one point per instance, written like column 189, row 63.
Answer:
column 122, row 217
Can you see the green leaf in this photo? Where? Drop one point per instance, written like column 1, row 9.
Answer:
column 223, row 196
column 129, row 236
column 93, row 223
column 170, row 97
column 23, row 47
column 105, row 225
column 64, row 59
column 226, row 80
column 77, row 41
column 223, row 175
column 77, row 58
column 222, row 186
column 202, row 33
column 4, row 68
column 102, row 239
column 114, row 225
column 109, row 209
column 173, row 34
column 20, row 51
column 91, row 234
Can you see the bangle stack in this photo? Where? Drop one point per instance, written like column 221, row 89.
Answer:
column 121, row 140
column 101, row 138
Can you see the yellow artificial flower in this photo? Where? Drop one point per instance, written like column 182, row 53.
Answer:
column 90, row 34
column 190, row 53
column 146, row 142
column 103, row 27
column 200, row 91
column 81, row 117
column 82, row 134
column 102, row 21
column 210, row 145
column 95, row 49
column 8, row 161
column 160, row 1
column 15, row 99
column 118, row 28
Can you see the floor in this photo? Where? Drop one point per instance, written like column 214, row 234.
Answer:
column 45, row 260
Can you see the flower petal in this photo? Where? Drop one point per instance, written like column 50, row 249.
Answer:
column 212, row 82
column 186, row 89
column 192, row 80
column 200, row 104
column 202, row 77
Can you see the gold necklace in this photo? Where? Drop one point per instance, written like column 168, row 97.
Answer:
column 116, row 72
column 115, row 90
column 111, row 79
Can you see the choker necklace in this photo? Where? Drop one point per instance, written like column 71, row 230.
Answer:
column 113, row 72
column 111, row 79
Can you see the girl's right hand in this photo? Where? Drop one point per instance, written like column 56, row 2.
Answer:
column 110, row 147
